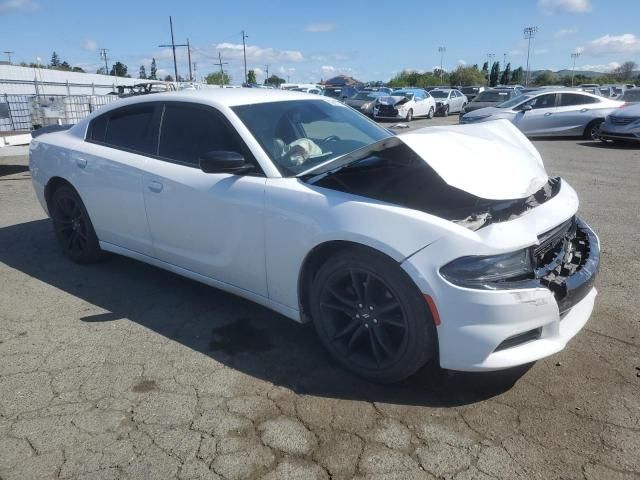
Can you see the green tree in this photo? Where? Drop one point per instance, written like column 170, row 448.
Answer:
column 518, row 76
column 78, row 69
column 274, row 80
column 506, row 75
column 218, row 78
column 119, row 69
column 251, row 76
column 55, row 60
column 624, row 72
column 168, row 78
column 101, row 71
column 143, row 72
column 546, row 77
column 154, row 70
column 495, row 73
column 485, row 68
column 465, row 76
column 64, row 66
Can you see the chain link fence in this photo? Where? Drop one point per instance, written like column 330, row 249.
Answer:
column 28, row 112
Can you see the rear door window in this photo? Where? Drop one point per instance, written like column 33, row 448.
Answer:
column 573, row 99
column 131, row 128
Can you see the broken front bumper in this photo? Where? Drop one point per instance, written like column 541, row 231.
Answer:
column 497, row 329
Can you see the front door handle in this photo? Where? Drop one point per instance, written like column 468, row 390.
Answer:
column 584, row 110
column 155, row 187
column 547, row 114
column 81, row 162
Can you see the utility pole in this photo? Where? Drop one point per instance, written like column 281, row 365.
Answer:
column 490, row 57
column 8, row 53
column 441, row 50
column 173, row 46
column 103, row 54
column 267, row 69
column 574, row 56
column 529, row 33
column 195, row 71
column 244, row 52
column 220, row 64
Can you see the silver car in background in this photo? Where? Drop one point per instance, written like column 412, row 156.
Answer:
column 551, row 113
column 448, row 100
column 622, row 125
column 364, row 101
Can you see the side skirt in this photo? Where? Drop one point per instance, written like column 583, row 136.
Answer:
column 289, row 312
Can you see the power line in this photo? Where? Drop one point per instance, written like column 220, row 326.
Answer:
column 529, row 33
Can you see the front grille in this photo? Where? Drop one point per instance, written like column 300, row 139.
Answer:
column 622, row 120
column 387, row 110
column 562, row 254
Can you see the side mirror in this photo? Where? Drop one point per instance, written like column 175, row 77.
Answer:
column 223, row 161
column 526, row 108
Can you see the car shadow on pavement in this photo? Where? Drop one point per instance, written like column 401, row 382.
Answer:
column 231, row 330
column 12, row 169
column 609, row 146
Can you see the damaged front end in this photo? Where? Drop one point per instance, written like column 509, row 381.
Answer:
column 390, row 106
column 397, row 175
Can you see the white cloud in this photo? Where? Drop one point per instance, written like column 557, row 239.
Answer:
column 11, row 6
column 607, row 44
column 328, row 69
column 320, row 27
column 90, row 45
column 571, row 6
column 608, row 67
column 462, row 62
column 259, row 54
column 565, row 32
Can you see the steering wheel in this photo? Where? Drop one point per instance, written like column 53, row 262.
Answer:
column 330, row 138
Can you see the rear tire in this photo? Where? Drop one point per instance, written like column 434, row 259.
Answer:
column 73, row 227
column 591, row 132
column 431, row 113
column 371, row 316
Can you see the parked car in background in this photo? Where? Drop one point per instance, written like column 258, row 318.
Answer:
column 489, row 98
column 607, row 91
column 591, row 90
column 314, row 90
column 556, row 113
column 340, row 93
column 405, row 104
column 377, row 89
column 365, row 101
column 622, row 125
column 630, row 95
column 472, row 92
column 434, row 244
column 448, row 101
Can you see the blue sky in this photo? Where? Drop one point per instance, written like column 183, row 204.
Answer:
column 308, row 41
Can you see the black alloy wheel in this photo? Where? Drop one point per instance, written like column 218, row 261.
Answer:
column 72, row 226
column 371, row 316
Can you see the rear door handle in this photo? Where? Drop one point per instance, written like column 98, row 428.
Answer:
column 155, row 187
column 81, row 162
column 547, row 114
column 584, row 110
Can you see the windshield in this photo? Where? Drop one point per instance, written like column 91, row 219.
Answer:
column 439, row 94
column 514, row 101
column 368, row 95
column 631, row 96
column 466, row 90
column 492, row 96
column 300, row 134
column 333, row 92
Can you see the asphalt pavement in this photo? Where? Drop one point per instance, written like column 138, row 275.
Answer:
column 122, row 370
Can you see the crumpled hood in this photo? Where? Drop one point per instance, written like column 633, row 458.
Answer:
column 491, row 160
column 393, row 100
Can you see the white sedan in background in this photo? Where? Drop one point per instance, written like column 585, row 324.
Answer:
column 550, row 113
column 449, row 243
column 405, row 104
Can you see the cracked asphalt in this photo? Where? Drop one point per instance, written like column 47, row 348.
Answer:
column 123, row 371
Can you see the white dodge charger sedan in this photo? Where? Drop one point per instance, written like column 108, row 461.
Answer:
column 397, row 252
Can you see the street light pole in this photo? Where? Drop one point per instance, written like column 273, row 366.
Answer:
column 529, row 33
column 8, row 53
column 490, row 57
column 244, row 52
column 574, row 56
column 441, row 50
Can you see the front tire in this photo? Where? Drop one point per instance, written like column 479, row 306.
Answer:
column 431, row 113
column 409, row 116
column 73, row 227
column 445, row 112
column 591, row 132
column 371, row 316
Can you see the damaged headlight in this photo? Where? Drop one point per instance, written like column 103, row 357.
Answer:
column 507, row 270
